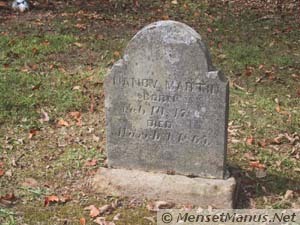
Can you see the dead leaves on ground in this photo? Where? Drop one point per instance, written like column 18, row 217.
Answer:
column 91, row 162
column 8, row 199
column 97, row 213
column 75, row 116
column 250, row 140
column 55, row 199
column 156, row 206
column 32, row 133
column 94, row 211
column 291, row 139
column 44, row 117
column 82, row 221
column 102, row 221
column 2, row 172
column 62, row 123
column 257, row 164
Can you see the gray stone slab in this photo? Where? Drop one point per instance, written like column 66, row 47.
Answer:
column 166, row 105
column 178, row 189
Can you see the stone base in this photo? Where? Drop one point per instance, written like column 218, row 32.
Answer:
column 171, row 188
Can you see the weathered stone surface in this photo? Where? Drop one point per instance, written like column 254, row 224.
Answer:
column 178, row 189
column 166, row 106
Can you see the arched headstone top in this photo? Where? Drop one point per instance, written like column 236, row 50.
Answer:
column 171, row 43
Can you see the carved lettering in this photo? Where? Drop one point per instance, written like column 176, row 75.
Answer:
column 155, row 135
column 159, row 124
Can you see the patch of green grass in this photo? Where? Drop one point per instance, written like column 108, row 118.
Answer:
column 7, row 217
column 242, row 55
column 76, row 157
column 55, row 214
column 34, row 193
column 25, row 86
column 17, row 51
column 22, row 95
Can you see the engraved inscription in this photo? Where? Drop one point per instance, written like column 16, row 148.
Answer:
column 159, row 124
column 134, row 82
column 145, row 96
column 163, row 136
column 169, row 85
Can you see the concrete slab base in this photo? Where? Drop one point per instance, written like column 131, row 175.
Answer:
column 171, row 188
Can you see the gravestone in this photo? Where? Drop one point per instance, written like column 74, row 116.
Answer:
column 166, row 121
column 166, row 106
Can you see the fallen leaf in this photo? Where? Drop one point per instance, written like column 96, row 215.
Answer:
column 36, row 87
column 62, row 122
column 65, row 198
column 106, row 209
column 94, row 211
column 257, row 164
column 248, row 71
column 151, row 219
column 261, row 66
column 117, row 54
column 263, row 143
column 100, row 221
column 50, row 199
column 76, row 116
column 92, row 162
column 277, row 140
column 295, row 137
column 249, row 156
column 32, row 133
column 2, row 172
column 250, row 140
column 297, row 169
column 289, row 194
column 80, row 26
column 174, row 2
column 46, row 43
column 165, row 17
column 196, row 14
column 9, row 173
column 277, row 105
column 82, row 221
column 34, row 67
column 45, row 117
column 30, row 183
column 8, row 197
column 76, row 88
column 209, row 30
column 117, row 217
column 187, row 207
column 156, row 206
column 96, row 138
column 79, row 45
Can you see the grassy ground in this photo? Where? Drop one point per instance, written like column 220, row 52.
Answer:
column 52, row 63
